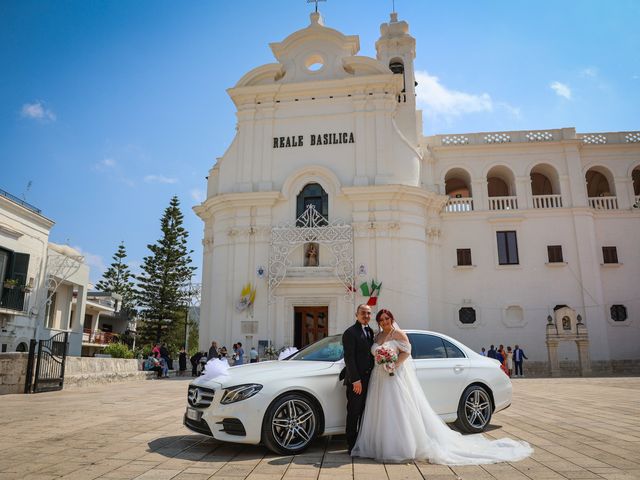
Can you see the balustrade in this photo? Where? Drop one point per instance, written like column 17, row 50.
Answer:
column 604, row 203
column 459, row 205
column 547, row 201
column 503, row 203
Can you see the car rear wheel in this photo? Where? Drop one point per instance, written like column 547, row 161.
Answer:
column 290, row 424
column 474, row 409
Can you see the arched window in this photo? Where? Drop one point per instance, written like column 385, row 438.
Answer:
column 313, row 194
column 599, row 183
column 22, row 347
column 457, row 183
column 635, row 175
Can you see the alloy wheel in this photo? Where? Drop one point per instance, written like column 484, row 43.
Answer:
column 294, row 424
column 477, row 408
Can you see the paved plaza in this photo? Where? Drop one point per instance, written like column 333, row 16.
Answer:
column 580, row 428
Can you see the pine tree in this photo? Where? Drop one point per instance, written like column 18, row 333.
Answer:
column 162, row 286
column 118, row 279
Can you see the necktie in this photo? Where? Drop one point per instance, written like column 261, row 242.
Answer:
column 367, row 332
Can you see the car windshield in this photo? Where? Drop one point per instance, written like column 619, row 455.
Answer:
column 328, row 349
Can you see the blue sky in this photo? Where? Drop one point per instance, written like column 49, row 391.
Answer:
column 109, row 108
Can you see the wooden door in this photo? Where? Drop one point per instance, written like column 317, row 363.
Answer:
column 310, row 325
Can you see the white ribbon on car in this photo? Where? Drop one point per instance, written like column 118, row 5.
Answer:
column 215, row 368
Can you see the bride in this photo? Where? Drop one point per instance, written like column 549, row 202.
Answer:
column 398, row 423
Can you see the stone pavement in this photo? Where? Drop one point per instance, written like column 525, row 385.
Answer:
column 580, row 428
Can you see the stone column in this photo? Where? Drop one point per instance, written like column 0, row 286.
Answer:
column 479, row 193
column 523, row 193
column 554, row 363
column 94, row 326
column 624, row 192
column 583, row 357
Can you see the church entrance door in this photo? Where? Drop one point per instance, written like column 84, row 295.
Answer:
column 310, row 325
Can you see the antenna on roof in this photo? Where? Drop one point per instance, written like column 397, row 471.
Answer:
column 316, row 2
column 26, row 190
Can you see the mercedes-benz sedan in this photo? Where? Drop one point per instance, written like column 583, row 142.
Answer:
column 286, row 404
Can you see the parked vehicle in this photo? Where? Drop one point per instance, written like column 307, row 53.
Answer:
column 285, row 404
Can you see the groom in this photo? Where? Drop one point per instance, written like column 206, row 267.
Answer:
column 357, row 341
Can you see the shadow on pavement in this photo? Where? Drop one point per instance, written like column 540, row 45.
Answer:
column 328, row 452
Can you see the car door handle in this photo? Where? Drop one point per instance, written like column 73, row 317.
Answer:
column 458, row 368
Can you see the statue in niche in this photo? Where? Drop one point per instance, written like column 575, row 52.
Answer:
column 311, row 254
column 566, row 323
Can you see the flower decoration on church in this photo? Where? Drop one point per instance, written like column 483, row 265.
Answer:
column 371, row 290
column 247, row 297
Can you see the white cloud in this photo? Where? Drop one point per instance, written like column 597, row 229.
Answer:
column 160, row 179
column 439, row 100
column 95, row 262
column 109, row 162
column 589, row 72
column 197, row 195
column 37, row 111
column 561, row 90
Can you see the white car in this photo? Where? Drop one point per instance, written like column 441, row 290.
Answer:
column 286, row 404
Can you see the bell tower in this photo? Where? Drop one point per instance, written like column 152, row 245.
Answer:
column 397, row 49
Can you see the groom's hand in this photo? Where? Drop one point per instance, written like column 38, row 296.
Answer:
column 357, row 387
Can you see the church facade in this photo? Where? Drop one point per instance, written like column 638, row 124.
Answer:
column 330, row 196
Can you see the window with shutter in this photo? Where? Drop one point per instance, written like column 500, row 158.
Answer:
column 555, row 253
column 610, row 254
column 464, row 256
column 507, row 248
column 20, row 267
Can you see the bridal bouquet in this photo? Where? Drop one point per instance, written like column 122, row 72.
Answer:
column 387, row 358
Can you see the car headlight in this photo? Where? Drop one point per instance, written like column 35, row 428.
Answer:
column 241, row 392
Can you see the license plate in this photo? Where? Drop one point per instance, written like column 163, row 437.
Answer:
column 193, row 414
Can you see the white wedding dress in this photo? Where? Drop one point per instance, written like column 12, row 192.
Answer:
column 398, row 424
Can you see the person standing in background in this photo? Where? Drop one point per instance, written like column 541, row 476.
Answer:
column 182, row 361
column 518, row 357
column 239, row 354
column 213, row 351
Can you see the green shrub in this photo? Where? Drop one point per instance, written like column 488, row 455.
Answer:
column 118, row 350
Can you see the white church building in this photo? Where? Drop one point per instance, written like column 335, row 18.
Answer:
column 517, row 237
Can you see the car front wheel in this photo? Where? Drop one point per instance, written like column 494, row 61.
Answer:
column 474, row 409
column 290, row 424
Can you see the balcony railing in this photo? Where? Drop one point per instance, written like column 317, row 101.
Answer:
column 547, row 201
column 503, row 203
column 604, row 203
column 98, row 337
column 459, row 205
column 13, row 298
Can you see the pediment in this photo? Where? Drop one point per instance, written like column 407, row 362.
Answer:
column 311, row 54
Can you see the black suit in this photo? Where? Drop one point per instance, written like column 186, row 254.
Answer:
column 358, row 364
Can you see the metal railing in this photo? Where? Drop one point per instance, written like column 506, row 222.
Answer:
column 13, row 298
column 547, row 201
column 604, row 203
column 98, row 337
column 15, row 199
